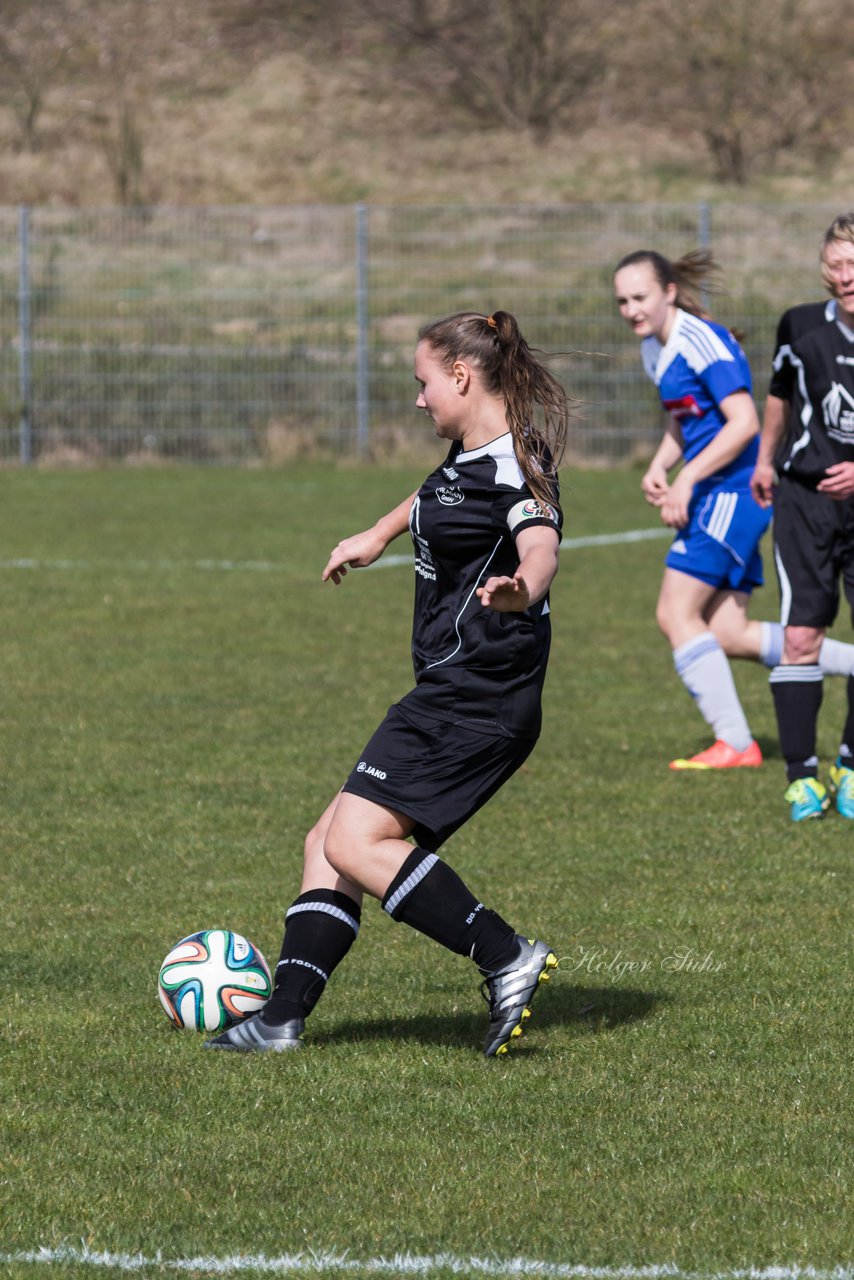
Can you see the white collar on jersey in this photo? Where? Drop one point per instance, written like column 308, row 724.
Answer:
column 500, row 445
column 503, row 454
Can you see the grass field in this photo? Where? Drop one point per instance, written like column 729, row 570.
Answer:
column 181, row 695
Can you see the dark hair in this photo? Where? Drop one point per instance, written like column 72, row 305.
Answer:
column 691, row 273
column 510, row 368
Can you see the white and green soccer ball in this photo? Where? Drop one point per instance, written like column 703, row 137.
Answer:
column 212, row 979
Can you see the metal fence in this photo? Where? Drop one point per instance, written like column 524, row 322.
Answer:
column 237, row 334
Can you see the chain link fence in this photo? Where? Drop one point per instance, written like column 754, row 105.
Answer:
column 260, row 334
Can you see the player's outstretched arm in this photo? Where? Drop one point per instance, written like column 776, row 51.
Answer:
column 538, row 549
column 364, row 548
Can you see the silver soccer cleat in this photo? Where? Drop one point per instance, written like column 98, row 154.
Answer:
column 510, row 991
column 255, row 1036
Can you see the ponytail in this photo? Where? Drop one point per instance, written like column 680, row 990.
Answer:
column 535, row 402
column 693, row 274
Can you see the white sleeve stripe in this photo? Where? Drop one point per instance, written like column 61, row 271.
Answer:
column 701, row 346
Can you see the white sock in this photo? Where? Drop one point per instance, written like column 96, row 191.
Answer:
column 702, row 666
column 836, row 658
column 771, row 643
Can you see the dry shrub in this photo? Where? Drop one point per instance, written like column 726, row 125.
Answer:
column 284, row 441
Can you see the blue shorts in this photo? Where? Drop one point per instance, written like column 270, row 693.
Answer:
column 720, row 543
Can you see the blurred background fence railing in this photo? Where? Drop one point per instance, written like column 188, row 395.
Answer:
column 247, row 334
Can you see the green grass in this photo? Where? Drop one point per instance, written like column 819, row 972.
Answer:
column 169, row 728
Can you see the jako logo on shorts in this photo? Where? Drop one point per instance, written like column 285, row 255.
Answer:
column 369, row 769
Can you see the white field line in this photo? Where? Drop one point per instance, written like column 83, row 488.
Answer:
column 273, row 566
column 306, row 1264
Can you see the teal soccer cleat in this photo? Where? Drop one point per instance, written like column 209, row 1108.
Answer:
column 808, row 798
column 842, row 786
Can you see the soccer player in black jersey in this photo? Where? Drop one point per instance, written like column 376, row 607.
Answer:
column 806, row 465
column 486, row 530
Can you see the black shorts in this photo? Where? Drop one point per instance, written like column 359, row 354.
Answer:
column 813, row 547
column 437, row 773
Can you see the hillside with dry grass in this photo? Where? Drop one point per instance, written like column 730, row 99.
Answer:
column 222, row 102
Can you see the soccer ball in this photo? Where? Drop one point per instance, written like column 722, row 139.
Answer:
column 213, row 979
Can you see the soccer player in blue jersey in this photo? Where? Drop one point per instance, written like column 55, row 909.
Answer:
column 713, row 563
column 486, row 530
column 806, row 465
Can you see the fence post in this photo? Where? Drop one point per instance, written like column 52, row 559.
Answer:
column 362, row 363
column 704, row 238
column 24, row 335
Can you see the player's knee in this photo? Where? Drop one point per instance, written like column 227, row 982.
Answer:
column 339, row 853
column 314, row 854
column 802, row 645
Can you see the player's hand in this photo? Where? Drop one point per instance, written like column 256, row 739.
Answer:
column 356, row 552
column 504, row 595
column 674, row 508
column 838, row 482
column 654, row 486
column 763, row 483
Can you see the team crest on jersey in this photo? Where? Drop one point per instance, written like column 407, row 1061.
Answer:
column 838, row 409
column 450, row 496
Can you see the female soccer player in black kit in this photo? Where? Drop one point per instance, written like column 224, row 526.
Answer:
column 486, row 531
column 806, row 466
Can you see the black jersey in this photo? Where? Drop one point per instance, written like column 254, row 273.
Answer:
column 793, row 325
column 823, row 431
column 475, row 666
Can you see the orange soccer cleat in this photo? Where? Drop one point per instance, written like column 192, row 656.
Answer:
column 720, row 755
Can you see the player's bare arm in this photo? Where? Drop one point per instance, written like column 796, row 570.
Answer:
column 764, row 478
column 362, row 549
column 654, row 484
column 538, row 565
column 740, row 427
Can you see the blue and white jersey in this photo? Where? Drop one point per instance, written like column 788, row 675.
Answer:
column 699, row 366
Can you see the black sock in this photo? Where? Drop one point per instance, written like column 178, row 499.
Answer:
column 797, row 692
column 320, row 928
column 429, row 896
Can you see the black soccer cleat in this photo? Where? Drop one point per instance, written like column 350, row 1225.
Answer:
column 510, row 991
column 255, row 1036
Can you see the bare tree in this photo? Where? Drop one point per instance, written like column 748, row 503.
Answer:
column 141, row 51
column 519, row 64
column 755, row 78
column 36, row 39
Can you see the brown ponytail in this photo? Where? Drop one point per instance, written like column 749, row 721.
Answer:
column 693, row 273
column 510, row 368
